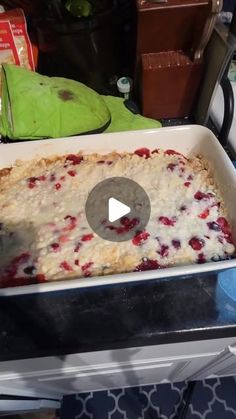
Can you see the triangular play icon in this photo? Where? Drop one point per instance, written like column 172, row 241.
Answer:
column 116, row 210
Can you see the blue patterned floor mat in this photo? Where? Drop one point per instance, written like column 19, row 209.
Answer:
column 210, row 399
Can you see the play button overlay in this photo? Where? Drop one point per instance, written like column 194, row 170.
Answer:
column 117, row 209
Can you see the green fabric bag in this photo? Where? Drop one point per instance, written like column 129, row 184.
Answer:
column 124, row 120
column 36, row 106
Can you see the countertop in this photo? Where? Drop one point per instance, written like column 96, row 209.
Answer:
column 111, row 317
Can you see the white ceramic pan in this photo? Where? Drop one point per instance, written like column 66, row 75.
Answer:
column 185, row 139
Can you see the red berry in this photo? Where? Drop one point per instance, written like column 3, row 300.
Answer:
column 164, row 251
column 74, row 159
column 72, row 223
column 187, row 184
column 42, row 178
column 55, row 247
column 171, row 166
column 201, row 258
column 147, row 264
column 62, row 178
column 143, row 152
column 57, row 186
column 224, row 225
column 196, row 243
column 72, row 173
column 190, row 177
column 40, row 278
column 77, row 262
column 173, row 152
column 87, row 237
column 125, row 221
column 139, row 238
column 77, row 247
column 204, row 214
column 32, row 182
column 167, row 221
column 127, row 225
column 201, row 195
column 66, row 266
column 176, row 244
column 85, row 269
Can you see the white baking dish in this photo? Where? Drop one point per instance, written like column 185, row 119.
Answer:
column 185, row 139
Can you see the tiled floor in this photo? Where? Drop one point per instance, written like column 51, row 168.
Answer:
column 210, row 399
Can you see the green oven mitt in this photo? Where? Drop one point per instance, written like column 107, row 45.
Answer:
column 123, row 119
column 36, row 106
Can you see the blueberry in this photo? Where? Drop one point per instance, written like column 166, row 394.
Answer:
column 30, row 270
column 214, row 226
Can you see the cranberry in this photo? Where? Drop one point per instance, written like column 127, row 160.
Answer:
column 77, row 262
column 167, row 221
column 164, row 250
column 87, row 237
column 201, row 258
column 143, row 152
column 196, row 243
column 55, row 247
column 74, row 159
column 187, row 184
column 42, row 178
column 66, row 266
column 139, row 238
column 204, row 214
column 147, row 265
column 171, row 166
column 173, row 153
column 57, row 186
column 32, row 182
column 201, row 195
column 40, row 278
column 125, row 221
column 71, row 218
column 213, row 226
column 176, row 244
column 86, row 266
column 77, row 247
column 72, row 223
column 72, row 173
column 127, row 225
column 224, row 225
